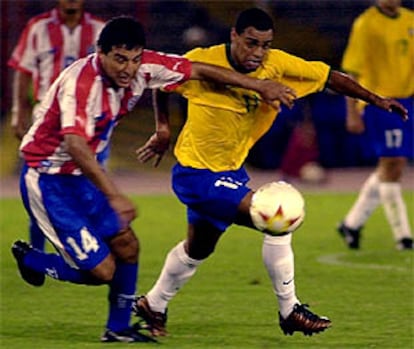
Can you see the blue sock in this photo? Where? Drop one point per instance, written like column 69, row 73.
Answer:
column 37, row 239
column 54, row 265
column 121, row 295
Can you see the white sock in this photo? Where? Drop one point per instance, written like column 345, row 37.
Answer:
column 177, row 270
column 367, row 202
column 279, row 261
column 395, row 209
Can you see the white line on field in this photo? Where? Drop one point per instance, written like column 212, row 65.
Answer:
column 335, row 259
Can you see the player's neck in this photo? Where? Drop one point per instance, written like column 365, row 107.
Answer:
column 389, row 11
column 233, row 62
column 71, row 20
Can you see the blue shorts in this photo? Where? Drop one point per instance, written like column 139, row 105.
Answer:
column 390, row 136
column 72, row 213
column 210, row 196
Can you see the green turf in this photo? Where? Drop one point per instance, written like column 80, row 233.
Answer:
column 229, row 303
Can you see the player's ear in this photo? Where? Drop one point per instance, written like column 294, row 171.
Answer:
column 233, row 34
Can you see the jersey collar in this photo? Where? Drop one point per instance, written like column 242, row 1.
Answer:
column 59, row 19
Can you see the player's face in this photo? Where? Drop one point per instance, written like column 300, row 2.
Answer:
column 70, row 6
column 389, row 7
column 120, row 65
column 390, row 3
column 249, row 49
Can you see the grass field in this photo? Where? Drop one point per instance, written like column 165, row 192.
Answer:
column 368, row 294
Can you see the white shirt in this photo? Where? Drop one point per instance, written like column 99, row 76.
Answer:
column 47, row 46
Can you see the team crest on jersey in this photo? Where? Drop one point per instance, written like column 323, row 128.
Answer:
column 44, row 166
column 46, row 163
column 411, row 31
column 132, row 101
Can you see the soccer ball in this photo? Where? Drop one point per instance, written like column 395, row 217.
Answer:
column 277, row 208
column 312, row 173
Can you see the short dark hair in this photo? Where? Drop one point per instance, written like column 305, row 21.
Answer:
column 253, row 17
column 121, row 31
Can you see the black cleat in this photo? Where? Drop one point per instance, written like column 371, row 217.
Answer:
column 405, row 244
column 303, row 320
column 155, row 321
column 129, row 335
column 351, row 236
column 20, row 249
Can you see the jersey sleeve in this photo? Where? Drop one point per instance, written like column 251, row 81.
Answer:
column 23, row 57
column 353, row 59
column 73, row 97
column 305, row 77
column 73, row 116
column 193, row 55
column 164, row 71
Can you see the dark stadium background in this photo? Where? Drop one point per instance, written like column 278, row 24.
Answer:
column 312, row 29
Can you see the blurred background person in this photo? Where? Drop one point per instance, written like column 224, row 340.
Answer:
column 300, row 159
column 380, row 55
column 50, row 42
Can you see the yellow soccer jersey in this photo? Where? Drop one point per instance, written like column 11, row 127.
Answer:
column 380, row 52
column 224, row 122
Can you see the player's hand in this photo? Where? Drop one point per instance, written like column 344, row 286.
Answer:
column 19, row 131
column 124, row 208
column 393, row 106
column 155, row 147
column 19, row 125
column 273, row 91
column 354, row 122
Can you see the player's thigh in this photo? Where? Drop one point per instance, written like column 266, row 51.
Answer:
column 214, row 197
column 391, row 169
column 125, row 245
column 390, row 136
column 62, row 206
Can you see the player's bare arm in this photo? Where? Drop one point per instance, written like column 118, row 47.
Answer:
column 21, row 112
column 80, row 152
column 159, row 142
column 270, row 91
column 344, row 84
column 354, row 121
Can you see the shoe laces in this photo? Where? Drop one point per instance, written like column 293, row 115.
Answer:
column 303, row 309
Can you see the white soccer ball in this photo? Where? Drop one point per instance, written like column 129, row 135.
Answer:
column 312, row 173
column 277, row 208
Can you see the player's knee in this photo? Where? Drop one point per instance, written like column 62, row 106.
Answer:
column 202, row 240
column 200, row 253
column 125, row 246
column 104, row 271
column 391, row 169
column 277, row 208
column 104, row 277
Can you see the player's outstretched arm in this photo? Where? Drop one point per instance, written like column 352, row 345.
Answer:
column 346, row 85
column 270, row 91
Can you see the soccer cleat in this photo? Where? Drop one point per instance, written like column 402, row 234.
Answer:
column 351, row 236
column 20, row 249
column 303, row 320
column 405, row 244
column 155, row 321
column 129, row 335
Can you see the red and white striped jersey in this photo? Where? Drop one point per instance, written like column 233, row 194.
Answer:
column 82, row 102
column 47, row 46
